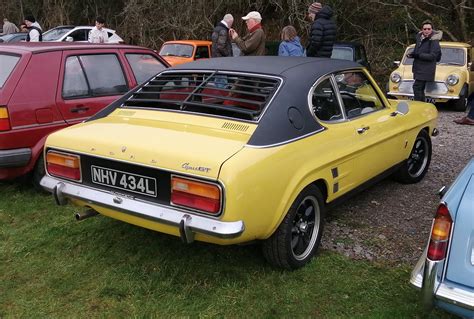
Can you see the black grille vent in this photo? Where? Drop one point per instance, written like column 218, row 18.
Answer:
column 235, row 127
column 224, row 94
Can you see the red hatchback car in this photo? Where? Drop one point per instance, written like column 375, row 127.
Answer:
column 47, row 86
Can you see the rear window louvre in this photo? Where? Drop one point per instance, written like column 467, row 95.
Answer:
column 239, row 96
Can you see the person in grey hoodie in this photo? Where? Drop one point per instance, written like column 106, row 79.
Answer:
column 290, row 43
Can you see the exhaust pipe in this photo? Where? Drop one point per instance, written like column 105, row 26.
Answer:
column 88, row 213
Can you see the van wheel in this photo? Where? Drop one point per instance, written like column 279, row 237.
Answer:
column 297, row 238
column 38, row 173
column 414, row 168
column 460, row 105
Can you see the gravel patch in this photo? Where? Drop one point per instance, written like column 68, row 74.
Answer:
column 390, row 222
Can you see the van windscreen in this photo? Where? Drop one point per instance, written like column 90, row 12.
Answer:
column 7, row 64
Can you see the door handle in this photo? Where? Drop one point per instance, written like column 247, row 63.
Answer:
column 79, row 109
column 361, row 130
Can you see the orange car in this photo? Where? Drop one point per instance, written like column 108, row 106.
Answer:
column 183, row 51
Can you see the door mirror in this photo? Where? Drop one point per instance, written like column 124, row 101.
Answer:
column 396, row 63
column 69, row 39
column 470, row 66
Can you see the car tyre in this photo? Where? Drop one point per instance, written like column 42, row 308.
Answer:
column 414, row 168
column 38, row 173
column 460, row 105
column 297, row 238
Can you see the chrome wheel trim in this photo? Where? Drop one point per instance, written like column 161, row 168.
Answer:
column 305, row 227
column 418, row 158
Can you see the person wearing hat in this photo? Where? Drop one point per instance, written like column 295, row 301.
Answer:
column 35, row 33
column 253, row 43
column 323, row 31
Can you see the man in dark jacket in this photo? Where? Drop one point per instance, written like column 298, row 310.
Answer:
column 221, row 41
column 425, row 55
column 323, row 31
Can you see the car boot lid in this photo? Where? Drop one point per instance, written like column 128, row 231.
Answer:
column 461, row 266
column 166, row 140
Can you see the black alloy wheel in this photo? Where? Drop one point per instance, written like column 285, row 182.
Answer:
column 414, row 168
column 297, row 238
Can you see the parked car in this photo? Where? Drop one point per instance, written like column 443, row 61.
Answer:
column 238, row 150
column 351, row 51
column 445, row 271
column 454, row 79
column 48, row 86
column 13, row 37
column 184, row 51
column 70, row 33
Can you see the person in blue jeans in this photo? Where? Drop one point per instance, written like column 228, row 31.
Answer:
column 469, row 119
column 290, row 43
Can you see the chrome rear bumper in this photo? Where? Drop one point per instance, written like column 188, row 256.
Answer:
column 425, row 277
column 187, row 223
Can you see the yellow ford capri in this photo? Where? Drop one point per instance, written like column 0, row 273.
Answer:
column 240, row 150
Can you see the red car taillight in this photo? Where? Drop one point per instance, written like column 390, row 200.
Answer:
column 4, row 119
column 197, row 195
column 440, row 232
column 63, row 165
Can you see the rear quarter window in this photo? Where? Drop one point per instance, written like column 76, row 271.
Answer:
column 7, row 64
column 144, row 66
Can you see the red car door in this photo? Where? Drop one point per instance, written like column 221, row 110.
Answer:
column 89, row 81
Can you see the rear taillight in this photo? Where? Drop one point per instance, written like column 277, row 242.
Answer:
column 63, row 165
column 4, row 119
column 197, row 195
column 440, row 232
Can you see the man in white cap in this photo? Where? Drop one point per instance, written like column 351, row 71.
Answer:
column 254, row 42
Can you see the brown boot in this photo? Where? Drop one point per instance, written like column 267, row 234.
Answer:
column 465, row 120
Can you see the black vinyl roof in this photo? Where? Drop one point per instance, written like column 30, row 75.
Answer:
column 271, row 65
column 280, row 106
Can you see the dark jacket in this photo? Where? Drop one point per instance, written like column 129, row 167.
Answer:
column 322, row 34
column 221, row 42
column 426, row 53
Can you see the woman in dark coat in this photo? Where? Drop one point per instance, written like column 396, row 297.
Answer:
column 426, row 53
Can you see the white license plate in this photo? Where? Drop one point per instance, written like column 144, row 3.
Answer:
column 129, row 182
column 427, row 99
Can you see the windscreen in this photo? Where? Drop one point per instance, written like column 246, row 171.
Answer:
column 55, row 34
column 449, row 56
column 7, row 64
column 181, row 50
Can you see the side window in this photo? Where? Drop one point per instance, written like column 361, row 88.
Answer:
column 144, row 66
column 104, row 74
column 75, row 84
column 358, row 53
column 202, row 53
column 79, row 35
column 358, row 94
column 324, row 102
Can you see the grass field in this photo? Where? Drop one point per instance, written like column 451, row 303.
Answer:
column 53, row 266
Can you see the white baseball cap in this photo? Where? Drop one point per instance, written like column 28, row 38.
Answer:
column 253, row 15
